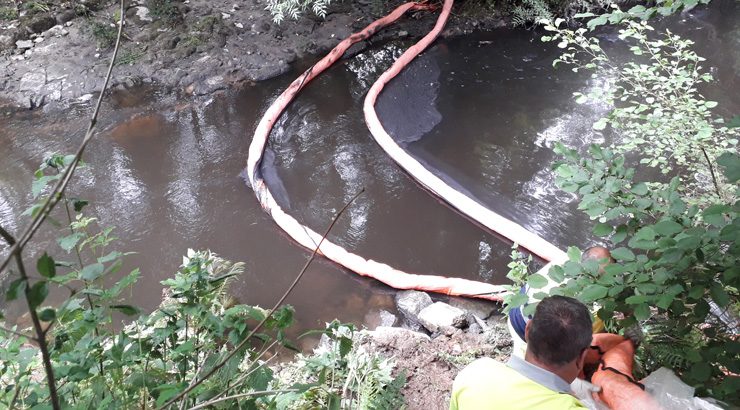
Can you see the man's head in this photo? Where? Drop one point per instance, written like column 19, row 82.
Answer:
column 597, row 254
column 558, row 335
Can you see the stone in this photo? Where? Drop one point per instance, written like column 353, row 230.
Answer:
column 38, row 40
column 387, row 336
column 411, row 302
column 33, row 82
column 57, row 31
column 171, row 42
column 481, row 308
column 403, row 33
column 440, row 316
column 41, row 23
column 143, row 14
column 380, row 318
column 65, row 16
column 24, row 44
column 6, row 42
column 475, row 329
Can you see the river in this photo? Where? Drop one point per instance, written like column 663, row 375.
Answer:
column 481, row 110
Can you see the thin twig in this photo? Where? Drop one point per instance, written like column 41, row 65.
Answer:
column 7, row 236
column 237, row 396
column 711, row 171
column 40, row 337
column 251, row 371
column 29, row 337
column 56, row 193
column 244, row 342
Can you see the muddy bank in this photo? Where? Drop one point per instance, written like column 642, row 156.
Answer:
column 432, row 340
column 60, row 53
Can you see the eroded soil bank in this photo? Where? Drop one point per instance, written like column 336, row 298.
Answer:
column 60, row 52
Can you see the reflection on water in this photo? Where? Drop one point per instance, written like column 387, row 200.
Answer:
column 482, row 111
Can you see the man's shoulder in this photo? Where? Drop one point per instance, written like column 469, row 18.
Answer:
column 486, row 383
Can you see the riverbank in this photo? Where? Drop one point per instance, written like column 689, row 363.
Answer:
column 432, row 341
column 60, row 53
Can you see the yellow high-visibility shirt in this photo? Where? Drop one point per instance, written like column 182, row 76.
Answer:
column 488, row 384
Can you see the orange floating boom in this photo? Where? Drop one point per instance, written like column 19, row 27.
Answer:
column 460, row 201
column 309, row 238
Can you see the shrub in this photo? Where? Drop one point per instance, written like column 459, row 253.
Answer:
column 658, row 108
column 104, row 33
column 8, row 13
column 676, row 243
column 198, row 338
column 280, row 9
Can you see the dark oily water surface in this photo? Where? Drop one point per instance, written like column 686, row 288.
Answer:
column 482, row 111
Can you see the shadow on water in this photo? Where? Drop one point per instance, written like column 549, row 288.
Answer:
column 482, row 111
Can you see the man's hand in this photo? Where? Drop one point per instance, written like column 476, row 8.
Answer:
column 583, row 389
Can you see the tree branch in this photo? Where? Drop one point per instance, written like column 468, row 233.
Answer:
column 40, row 337
column 5, row 329
column 711, row 171
column 244, row 342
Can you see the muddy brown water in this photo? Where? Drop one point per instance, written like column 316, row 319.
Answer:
column 481, row 110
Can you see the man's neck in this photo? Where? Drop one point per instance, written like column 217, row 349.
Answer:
column 560, row 371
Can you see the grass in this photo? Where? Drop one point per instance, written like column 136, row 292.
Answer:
column 129, row 57
column 8, row 13
column 34, row 7
column 163, row 9
column 103, row 33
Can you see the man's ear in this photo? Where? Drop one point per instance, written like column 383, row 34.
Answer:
column 582, row 359
column 526, row 332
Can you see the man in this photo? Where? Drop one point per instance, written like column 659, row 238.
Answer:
column 517, row 320
column 558, row 337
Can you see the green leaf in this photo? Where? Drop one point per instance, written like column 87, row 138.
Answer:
column 127, row 310
column 642, row 312
column 70, row 241
column 345, row 346
column 536, row 281
column 688, row 243
column 668, row 227
column 92, row 271
column 40, row 183
column 646, row 233
column 556, row 274
column 594, row 292
column 623, row 254
column 79, row 204
column 110, row 257
column 16, row 287
column 620, row 234
column 46, row 267
column 601, row 123
column 730, row 162
column 719, row 294
column 640, row 189
column 701, row 371
column 710, row 104
column 602, row 229
column 574, row 254
column 38, row 293
column 47, row 315
column 637, row 299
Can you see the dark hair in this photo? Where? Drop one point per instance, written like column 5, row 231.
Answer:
column 559, row 331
